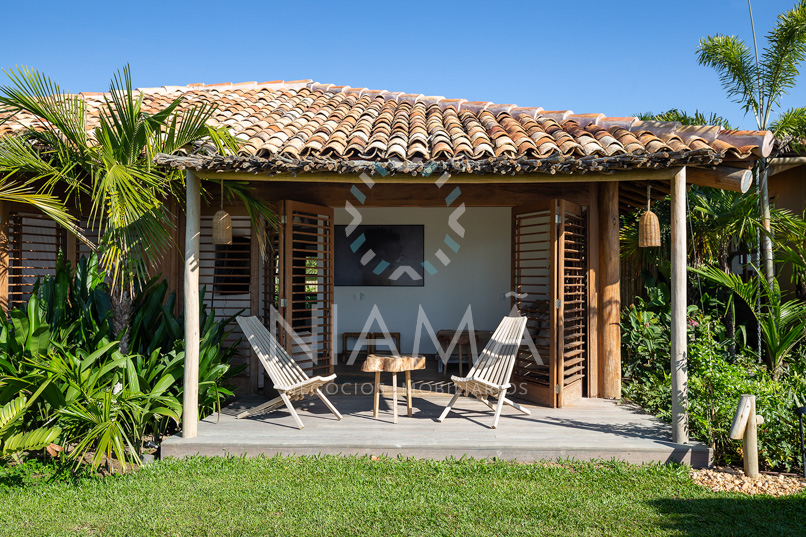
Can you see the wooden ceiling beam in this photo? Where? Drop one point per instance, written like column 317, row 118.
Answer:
column 734, row 179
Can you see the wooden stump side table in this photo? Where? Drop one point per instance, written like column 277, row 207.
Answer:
column 392, row 364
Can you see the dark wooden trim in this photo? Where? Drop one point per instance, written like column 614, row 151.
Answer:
column 411, row 195
column 4, row 246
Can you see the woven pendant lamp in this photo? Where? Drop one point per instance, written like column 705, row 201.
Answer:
column 222, row 224
column 648, row 226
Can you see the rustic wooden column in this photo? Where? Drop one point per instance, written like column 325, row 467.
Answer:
column 593, row 291
column 254, row 305
column 4, row 246
column 679, row 351
column 190, row 396
column 172, row 265
column 609, row 293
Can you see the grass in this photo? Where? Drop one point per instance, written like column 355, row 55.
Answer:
column 358, row 496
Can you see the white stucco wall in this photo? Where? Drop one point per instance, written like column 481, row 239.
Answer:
column 477, row 275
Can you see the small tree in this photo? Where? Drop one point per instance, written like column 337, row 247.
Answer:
column 758, row 84
column 113, row 163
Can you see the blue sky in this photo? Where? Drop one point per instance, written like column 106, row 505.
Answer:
column 618, row 57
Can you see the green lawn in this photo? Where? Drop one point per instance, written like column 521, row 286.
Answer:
column 357, row 496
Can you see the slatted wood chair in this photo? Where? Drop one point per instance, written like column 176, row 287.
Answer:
column 288, row 377
column 490, row 375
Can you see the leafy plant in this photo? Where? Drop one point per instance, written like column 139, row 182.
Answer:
column 112, row 421
column 783, row 324
column 113, row 164
column 759, row 84
column 14, row 436
column 156, row 328
column 716, row 379
column 60, row 346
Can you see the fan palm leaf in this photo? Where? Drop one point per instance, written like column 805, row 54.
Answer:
column 113, row 163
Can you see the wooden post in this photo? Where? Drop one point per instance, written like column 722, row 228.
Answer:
column 172, row 270
column 744, row 426
column 610, row 293
column 593, row 292
column 254, row 305
column 4, row 246
column 190, row 397
column 679, row 350
column 750, row 443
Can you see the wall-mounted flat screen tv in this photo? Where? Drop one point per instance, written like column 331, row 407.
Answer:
column 372, row 255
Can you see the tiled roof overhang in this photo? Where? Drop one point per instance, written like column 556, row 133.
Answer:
column 302, row 126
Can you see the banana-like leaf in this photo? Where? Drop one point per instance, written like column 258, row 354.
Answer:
column 11, row 412
column 31, row 440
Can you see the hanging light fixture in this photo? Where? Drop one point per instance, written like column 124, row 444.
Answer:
column 648, row 226
column 222, row 223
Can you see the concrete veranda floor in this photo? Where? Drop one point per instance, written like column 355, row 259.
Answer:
column 592, row 429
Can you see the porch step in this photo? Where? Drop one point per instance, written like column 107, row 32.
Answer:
column 591, row 429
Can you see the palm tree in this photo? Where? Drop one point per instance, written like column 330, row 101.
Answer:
column 20, row 175
column 113, row 163
column 758, row 84
column 675, row 114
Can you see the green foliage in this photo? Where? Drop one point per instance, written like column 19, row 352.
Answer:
column 14, row 437
column 157, row 339
column 60, row 346
column 113, row 163
column 715, row 379
column 32, row 472
column 698, row 118
column 790, row 127
column 759, row 86
column 783, row 323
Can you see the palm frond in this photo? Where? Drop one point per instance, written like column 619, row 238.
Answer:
column 698, row 118
column 791, row 128
column 782, row 57
column 59, row 113
column 733, row 61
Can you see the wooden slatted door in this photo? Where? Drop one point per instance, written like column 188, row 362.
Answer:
column 533, row 243
column 34, row 243
column 549, row 274
column 572, row 292
column 306, row 284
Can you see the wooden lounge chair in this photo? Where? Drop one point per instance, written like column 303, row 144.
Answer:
column 489, row 377
column 288, row 377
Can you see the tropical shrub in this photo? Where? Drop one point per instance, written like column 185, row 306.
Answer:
column 716, row 379
column 14, row 438
column 782, row 323
column 158, row 340
column 60, row 345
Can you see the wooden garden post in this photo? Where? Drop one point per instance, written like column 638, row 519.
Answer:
column 610, row 293
column 679, row 349
column 4, row 246
column 190, row 396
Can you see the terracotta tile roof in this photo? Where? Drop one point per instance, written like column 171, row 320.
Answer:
column 300, row 125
